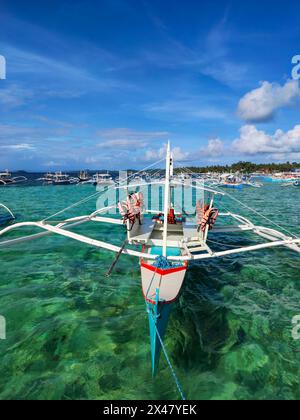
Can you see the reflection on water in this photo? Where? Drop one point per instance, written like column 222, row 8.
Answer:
column 73, row 333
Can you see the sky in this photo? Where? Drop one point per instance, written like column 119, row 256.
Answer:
column 105, row 84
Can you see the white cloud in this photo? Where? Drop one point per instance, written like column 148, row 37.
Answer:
column 52, row 163
column 155, row 154
column 254, row 142
column 125, row 138
column 215, row 148
column 179, row 155
column 14, row 96
column 261, row 104
column 19, row 147
column 186, row 109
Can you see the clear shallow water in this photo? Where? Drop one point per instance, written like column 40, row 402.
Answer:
column 72, row 333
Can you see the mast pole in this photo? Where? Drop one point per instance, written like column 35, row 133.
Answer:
column 167, row 200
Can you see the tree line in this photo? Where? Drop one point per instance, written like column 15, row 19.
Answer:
column 245, row 167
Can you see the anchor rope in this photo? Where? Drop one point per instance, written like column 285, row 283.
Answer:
column 175, row 377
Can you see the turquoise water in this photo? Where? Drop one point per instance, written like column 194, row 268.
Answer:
column 72, row 333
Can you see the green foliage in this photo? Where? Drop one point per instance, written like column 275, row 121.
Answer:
column 246, row 167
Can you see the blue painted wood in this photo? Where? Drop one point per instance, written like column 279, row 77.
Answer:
column 158, row 315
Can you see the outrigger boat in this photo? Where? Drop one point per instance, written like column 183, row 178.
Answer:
column 7, row 179
column 84, row 177
column 58, row 179
column 102, row 180
column 165, row 243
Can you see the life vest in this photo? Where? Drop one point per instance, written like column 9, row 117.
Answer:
column 131, row 209
column 206, row 216
column 171, row 217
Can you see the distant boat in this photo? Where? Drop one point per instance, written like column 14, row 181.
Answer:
column 63, row 179
column 231, row 181
column 236, row 186
column 102, row 180
column 58, row 179
column 284, row 177
column 164, row 243
column 238, row 182
column 7, row 179
column 84, row 177
column 297, row 184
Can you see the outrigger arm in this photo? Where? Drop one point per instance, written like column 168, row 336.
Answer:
column 276, row 238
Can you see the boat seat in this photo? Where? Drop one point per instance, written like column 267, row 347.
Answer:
column 144, row 231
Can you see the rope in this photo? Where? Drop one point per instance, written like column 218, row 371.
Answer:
column 72, row 206
column 164, row 264
column 262, row 215
column 98, row 192
column 151, row 282
column 176, row 379
column 251, row 209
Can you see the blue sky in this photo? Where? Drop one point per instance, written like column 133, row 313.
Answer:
column 104, row 84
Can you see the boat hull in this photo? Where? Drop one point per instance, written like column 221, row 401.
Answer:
column 161, row 288
column 61, row 183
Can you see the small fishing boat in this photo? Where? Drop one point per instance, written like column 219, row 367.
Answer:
column 6, row 215
column 47, row 179
column 58, row 178
column 165, row 243
column 231, row 181
column 102, row 180
column 297, row 184
column 6, row 179
column 249, row 181
column 63, row 179
column 84, row 177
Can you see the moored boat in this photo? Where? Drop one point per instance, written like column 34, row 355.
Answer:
column 6, row 179
column 166, row 243
column 84, row 177
column 58, row 178
column 102, row 180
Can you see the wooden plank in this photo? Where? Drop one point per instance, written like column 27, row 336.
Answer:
column 197, row 249
column 144, row 231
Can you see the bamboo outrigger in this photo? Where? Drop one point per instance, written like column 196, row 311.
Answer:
column 164, row 243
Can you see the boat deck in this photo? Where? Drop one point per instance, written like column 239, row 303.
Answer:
column 143, row 232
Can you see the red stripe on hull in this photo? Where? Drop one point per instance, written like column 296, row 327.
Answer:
column 164, row 272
